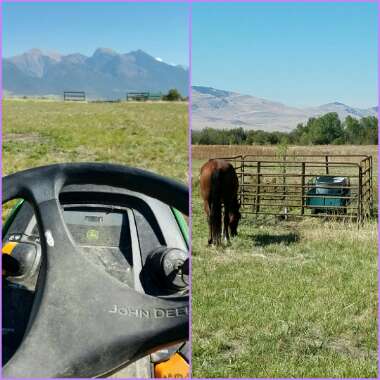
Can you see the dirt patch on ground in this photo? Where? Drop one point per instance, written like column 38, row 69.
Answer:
column 346, row 347
column 23, row 138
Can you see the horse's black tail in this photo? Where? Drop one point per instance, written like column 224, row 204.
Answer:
column 215, row 208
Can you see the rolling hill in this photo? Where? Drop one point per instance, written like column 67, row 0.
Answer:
column 221, row 109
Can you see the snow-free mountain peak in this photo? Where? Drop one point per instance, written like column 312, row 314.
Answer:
column 222, row 109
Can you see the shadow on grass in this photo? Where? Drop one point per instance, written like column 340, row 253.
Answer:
column 264, row 239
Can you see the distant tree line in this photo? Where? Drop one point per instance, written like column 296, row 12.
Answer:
column 172, row 95
column 326, row 129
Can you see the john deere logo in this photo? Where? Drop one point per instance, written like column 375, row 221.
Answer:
column 92, row 235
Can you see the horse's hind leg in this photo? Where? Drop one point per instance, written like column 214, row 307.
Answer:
column 216, row 231
column 226, row 223
column 206, row 207
column 209, row 232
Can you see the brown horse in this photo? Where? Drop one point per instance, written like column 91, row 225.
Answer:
column 219, row 185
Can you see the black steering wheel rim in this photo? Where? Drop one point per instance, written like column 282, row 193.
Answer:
column 55, row 177
column 84, row 324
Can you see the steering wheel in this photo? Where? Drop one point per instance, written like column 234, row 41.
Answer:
column 85, row 323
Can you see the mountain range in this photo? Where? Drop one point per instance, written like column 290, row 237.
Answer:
column 222, row 109
column 106, row 74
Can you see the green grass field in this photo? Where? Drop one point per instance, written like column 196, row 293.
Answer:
column 286, row 299
column 150, row 136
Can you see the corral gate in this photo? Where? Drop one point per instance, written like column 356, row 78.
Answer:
column 138, row 96
column 74, row 96
column 143, row 96
column 288, row 186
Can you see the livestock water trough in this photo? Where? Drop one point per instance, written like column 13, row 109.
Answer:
column 338, row 186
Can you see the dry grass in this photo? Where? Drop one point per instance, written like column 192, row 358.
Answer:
column 205, row 152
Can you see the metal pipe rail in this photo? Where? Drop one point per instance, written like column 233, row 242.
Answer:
column 273, row 185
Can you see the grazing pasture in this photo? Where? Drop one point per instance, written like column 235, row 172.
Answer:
column 150, row 135
column 286, row 298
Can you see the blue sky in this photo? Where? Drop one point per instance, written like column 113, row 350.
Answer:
column 299, row 54
column 160, row 29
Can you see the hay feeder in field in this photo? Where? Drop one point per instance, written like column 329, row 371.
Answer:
column 328, row 194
